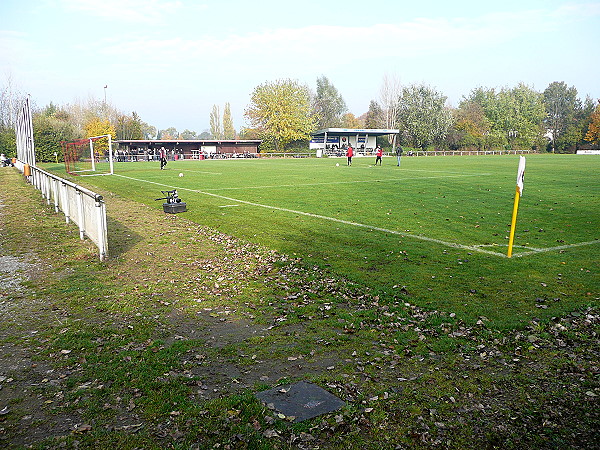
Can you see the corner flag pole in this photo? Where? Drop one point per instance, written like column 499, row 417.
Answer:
column 518, row 194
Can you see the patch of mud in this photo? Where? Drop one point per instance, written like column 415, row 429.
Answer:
column 12, row 274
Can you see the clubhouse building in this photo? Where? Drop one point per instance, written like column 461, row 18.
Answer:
column 133, row 150
column 332, row 141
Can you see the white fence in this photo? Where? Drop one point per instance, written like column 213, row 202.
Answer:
column 80, row 205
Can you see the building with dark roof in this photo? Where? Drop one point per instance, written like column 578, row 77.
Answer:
column 186, row 149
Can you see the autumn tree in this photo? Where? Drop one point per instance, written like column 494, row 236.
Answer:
column 99, row 127
column 281, row 109
column 228, row 130
column 350, row 121
column 129, row 127
column 593, row 131
column 168, row 133
column 375, row 117
column 329, row 105
column 471, row 125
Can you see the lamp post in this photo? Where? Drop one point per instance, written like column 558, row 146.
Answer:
column 105, row 87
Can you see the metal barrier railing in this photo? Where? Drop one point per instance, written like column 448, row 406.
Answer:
column 81, row 206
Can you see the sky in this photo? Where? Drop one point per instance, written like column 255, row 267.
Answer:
column 172, row 60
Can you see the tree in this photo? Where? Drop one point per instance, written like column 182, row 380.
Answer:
column 593, row 131
column 561, row 105
column 148, row 131
column 215, row 123
column 228, row 130
column 129, row 127
column 10, row 101
column 100, row 127
column 329, row 106
column 50, row 127
column 471, row 125
column 522, row 113
column 514, row 116
column 375, row 116
column 187, row 134
column 281, row 109
column 390, row 94
column 423, row 119
column 169, row 133
column 349, row 121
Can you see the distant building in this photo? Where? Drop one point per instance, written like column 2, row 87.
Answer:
column 186, row 149
column 331, row 141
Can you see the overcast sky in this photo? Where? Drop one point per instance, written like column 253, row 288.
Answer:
column 172, row 60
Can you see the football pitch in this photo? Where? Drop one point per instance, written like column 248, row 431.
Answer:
column 433, row 232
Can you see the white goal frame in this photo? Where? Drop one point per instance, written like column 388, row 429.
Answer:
column 91, row 140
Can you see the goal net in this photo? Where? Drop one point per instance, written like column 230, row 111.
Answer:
column 90, row 156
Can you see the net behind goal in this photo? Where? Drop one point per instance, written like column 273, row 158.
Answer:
column 90, row 156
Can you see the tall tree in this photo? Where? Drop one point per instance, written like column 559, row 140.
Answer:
column 281, row 109
column 228, row 130
column 10, row 101
column 375, row 116
column 389, row 95
column 329, row 105
column 215, row 123
column 561, row 105
column 129, row 127
column 423, row 118
column 593, row 131
column 522, row 115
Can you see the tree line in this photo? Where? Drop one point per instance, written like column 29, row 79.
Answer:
column 284, row 113
column 554, row 120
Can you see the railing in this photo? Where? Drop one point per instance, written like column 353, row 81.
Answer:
column 81, row 206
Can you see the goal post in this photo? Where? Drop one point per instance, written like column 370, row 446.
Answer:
column 90, row 156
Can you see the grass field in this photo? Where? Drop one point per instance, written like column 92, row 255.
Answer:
column 434, row 230
column 428, row 344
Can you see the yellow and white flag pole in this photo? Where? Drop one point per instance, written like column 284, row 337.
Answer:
column 518, row 193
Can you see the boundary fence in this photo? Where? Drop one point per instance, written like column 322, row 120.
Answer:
column 359, row 153
column 81, row 206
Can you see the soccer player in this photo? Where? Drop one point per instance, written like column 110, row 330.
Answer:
column 349, row 154
column 163, row 158
column 379, row 154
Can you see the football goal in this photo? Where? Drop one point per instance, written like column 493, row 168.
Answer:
column 90, row 156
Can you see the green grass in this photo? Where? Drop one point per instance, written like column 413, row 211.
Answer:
column 310, row 208
column 164, row 344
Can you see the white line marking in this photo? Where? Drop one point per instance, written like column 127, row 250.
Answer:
column 227, row 206
column 340, row 182
column 558, row 248
column 473, row 248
